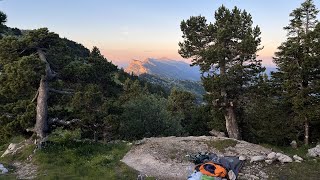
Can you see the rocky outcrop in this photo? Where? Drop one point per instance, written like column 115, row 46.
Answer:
column 165, row 158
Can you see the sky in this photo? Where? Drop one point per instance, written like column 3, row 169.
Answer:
column 137, row 29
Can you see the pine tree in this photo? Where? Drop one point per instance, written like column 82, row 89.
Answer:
column 3, row 19
column 298, row 64
column 226, row 53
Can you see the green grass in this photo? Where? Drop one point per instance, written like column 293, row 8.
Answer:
column 62, row 157
column 221, row 145
column 308, row 169
column 288, row 150
column 83, row 160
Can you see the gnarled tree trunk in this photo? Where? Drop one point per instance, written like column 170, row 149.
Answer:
column 231, row 123
column 41, row 126
column 230, row 116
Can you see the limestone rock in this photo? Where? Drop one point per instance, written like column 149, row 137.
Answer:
column 257, row 158
column 314, row 152
column 269, row 161
column 294, row 144
column 297, row 158
column 283, row 158
column 272, row 156
column 13, row 149
column 3, row 169
column 242, row 158
column 139, row 142
column 216, row 133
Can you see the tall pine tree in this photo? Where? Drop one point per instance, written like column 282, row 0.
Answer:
column 226, row 53
column 298, row 64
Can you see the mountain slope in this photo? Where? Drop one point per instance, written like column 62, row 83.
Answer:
column 164, row 68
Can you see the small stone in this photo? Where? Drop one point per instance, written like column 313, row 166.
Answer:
column 314, row 152
column 296, row 157
column 253, row 177
column 139, row 142
column 242, row 158
column 272, row 156
column 216, row 133
column 283, row 158
column 257, row 158
column 297, row 161
column 263, row 175
column 269, row 161
column 294, row 144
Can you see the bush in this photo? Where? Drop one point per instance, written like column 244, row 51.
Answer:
column 147, row 116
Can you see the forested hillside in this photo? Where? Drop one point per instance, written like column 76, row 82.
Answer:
column 59, row 94
column 49, row 82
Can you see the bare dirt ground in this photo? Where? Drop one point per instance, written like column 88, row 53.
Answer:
column 165, row 158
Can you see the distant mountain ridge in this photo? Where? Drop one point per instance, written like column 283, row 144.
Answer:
column 164, row 67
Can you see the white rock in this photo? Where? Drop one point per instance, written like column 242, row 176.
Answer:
column 257, row 158
column 263, row 175
column 283, row 158
column 297, row 161
column 216, row 133
column 314, row 152
column 3, row 169
column 253, row 177
column 272, row 156
column 10, row 149
column 297, row 158
column 242, row 158
column 294, row 144
column 269, row 161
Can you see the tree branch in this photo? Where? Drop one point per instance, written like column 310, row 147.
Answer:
column 63, row 122
column 35, row 96
column 61, row 92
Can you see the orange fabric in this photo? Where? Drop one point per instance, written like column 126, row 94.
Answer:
column 218, row 172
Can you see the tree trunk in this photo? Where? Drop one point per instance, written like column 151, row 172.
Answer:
column 41, row 126
column 306, row 131
column 231, row 123
column 230, row 116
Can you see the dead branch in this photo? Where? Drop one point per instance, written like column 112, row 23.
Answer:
column 60, row 91
column 35, row 96
column 63, row 122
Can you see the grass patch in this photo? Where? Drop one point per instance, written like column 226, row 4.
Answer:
column 221, row 145
column 288, row 150
column 308, row 169
column 83, row 160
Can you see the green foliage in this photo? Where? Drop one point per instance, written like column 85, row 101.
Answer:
column 226, row 52
column 184, row 104
column 146, row 116
column 3, row 19
column 298, row 63
column 267, row 117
